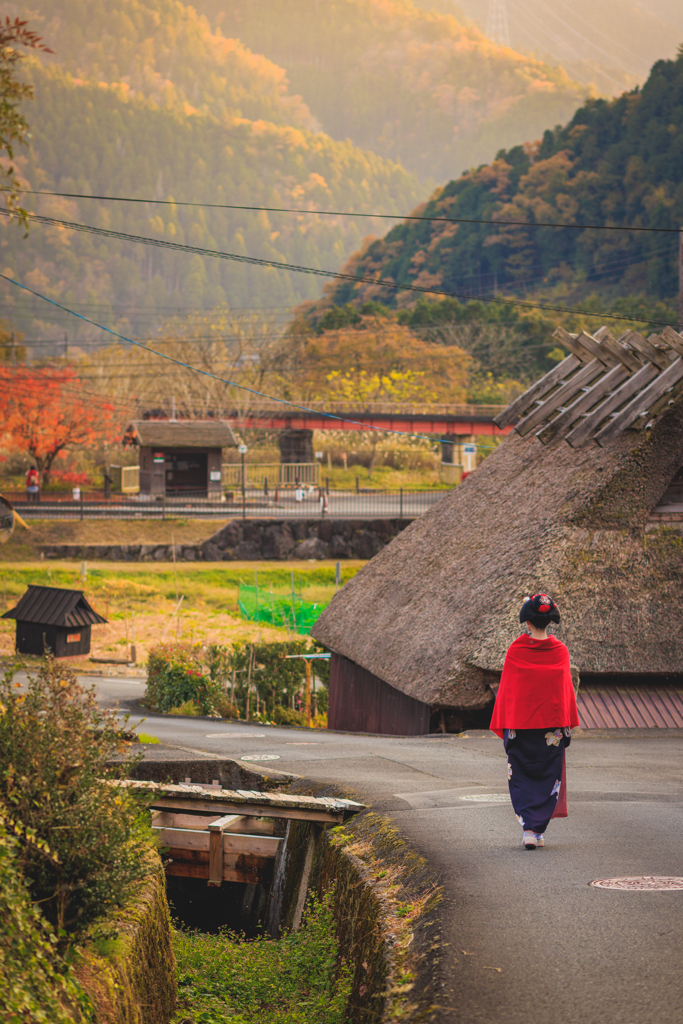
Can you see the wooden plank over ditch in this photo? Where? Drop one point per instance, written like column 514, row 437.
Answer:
column 203, row 801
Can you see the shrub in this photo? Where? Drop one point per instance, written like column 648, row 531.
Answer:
column 175, row 674
column 246, row 670
column 35, row 985
column 296, row 980
column 55, row 742
column 285, row 716
column 188, row 708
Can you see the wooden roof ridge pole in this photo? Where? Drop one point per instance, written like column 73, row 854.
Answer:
column 624, row 393
column 641, row 402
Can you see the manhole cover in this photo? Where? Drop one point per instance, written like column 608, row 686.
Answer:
column 260, row 757
column 649, row 883
column 487, row 798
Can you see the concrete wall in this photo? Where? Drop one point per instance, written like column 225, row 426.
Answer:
column 255, row 540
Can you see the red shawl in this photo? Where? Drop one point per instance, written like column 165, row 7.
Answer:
column 536, row 690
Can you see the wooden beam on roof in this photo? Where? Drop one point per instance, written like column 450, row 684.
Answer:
column 641, row 402
column 537, row 391
column 670, row 397
column 627, row 356
column 583, row 346
column 597, row 349
column 652, row 354
column 673, row 340
column 612, row 379
column 558, row 398
column 628, row 389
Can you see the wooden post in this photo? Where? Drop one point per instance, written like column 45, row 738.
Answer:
column 216, row 847
column 308, row 692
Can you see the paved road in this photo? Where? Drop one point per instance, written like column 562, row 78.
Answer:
column 566, row 952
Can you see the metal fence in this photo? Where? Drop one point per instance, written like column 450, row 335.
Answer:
column 297, row 503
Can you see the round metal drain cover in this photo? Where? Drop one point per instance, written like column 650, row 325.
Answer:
column 487, row 798
column 640, row 883
column 260, row 757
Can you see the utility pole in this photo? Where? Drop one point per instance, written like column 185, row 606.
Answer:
column 680, row 279
column 12, row 355
column 66, row 344
column 497, row 23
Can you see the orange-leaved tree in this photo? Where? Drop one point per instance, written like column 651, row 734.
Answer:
column 44, row 412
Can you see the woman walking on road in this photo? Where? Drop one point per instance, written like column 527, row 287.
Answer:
column 534, row 714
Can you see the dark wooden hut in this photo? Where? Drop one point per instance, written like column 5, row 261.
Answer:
column 181, row 458
column 53, row 618
column 584, row 500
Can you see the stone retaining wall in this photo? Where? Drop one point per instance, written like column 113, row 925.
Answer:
column 134, row 983
column 255, row 540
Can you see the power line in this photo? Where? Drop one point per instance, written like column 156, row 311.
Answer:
column 336, row 275
column 214, row 376
column 347, row 213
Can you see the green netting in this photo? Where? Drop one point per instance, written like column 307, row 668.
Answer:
column 287, row 610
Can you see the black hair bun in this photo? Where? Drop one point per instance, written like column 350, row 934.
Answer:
column 540, row 610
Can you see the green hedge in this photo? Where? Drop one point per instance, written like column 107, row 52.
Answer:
column 255, row 681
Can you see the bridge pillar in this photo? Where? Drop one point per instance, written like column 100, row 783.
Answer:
column 296, row 445
column 455, row 457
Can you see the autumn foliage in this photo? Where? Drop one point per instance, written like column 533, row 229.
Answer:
column 377, row 359
column 43, row 413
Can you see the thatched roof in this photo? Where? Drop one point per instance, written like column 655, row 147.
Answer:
column 434, row 612
column 182, row 433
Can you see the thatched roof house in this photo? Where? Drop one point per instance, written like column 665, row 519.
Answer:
column 582, row 499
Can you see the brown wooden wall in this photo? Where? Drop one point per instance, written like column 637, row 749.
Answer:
column 362, row 702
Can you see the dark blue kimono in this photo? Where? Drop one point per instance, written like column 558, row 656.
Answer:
column 535, row 762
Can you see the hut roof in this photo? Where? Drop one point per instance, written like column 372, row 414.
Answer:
column 53, row 606
column 565, row 505
column 182, row 433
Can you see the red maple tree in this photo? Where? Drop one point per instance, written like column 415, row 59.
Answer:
column 45, row 411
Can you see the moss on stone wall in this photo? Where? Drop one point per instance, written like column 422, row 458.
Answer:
column 131, row 978
column 385, row 899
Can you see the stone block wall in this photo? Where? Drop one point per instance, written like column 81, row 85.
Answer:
column 255, row 540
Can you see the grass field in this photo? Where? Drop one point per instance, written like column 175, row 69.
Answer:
column 142, row 597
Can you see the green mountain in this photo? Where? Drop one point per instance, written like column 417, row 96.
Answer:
column 412, row 84
column 616, row 162
column 145, row 100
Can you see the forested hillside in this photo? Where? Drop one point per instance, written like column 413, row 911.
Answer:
column 613, row 43
column 412, row 84
column 143, row 100
column 616, row 162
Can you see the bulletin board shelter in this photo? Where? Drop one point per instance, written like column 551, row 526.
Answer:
column 181, row 458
